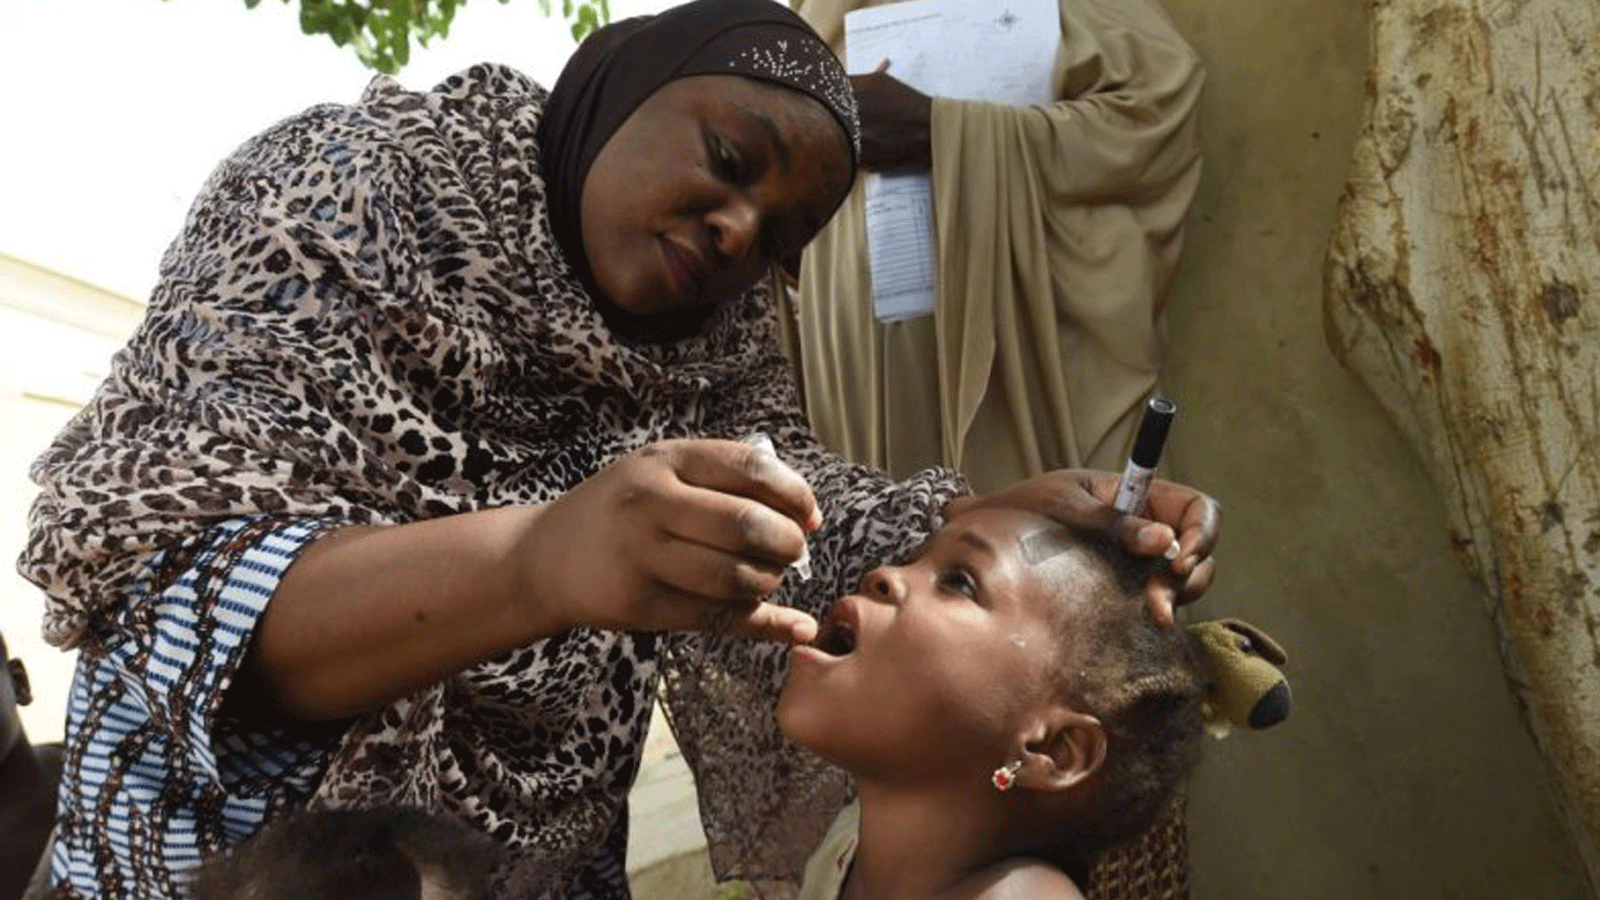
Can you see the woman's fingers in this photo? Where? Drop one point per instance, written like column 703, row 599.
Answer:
column 1198, row 581
column 1196, row 517
column 771, row 622
column 1146, row 538
column 1160, row 598
column 710, row 573
column 730, row 523
column 1167, row 590
column 1172, row 512
column 1149, row 534
column 1177, row 522
column 679, row 610
column 731, row 467
column 1183, row 525
column 1080, row 498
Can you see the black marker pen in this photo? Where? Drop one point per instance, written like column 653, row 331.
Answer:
column 1135, row 485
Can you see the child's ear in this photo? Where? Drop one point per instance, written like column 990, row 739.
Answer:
column 1061, row 749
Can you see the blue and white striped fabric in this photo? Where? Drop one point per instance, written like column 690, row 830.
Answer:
column 155, row 777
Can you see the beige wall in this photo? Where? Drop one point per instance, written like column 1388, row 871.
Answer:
column 57, row 334
column 1405, row 771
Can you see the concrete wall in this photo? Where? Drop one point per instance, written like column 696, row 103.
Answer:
column 1405, row 771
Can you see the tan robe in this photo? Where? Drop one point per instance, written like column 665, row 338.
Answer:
column 1057, row 227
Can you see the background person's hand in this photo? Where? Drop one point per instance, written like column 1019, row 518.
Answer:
column 680, row 535
column 895, row 121
column 1174, row 512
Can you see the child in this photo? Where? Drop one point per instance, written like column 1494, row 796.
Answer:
column 1007, row 708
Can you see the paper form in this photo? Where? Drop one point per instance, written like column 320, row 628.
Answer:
column 965, row 49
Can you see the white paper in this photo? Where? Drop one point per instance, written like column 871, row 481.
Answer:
column 964, row 49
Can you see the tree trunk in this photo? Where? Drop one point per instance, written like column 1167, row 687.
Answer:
column 1461, row 287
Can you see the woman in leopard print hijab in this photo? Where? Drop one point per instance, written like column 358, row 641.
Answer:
column 413, row 487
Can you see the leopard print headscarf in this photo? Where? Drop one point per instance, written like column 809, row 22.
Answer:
column 365, row 319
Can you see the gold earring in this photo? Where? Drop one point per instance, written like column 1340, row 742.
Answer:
column 1005, row 777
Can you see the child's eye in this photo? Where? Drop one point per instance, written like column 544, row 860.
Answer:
column 960, row 581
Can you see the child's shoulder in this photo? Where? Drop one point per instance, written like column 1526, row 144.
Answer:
column 1019, row 879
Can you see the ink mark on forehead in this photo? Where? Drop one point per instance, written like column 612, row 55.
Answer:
column 1044, row 544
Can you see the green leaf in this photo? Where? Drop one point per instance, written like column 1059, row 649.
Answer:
column 398, row 39
column 380, row 32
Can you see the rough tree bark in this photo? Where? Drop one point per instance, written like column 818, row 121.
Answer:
column 1461, row 286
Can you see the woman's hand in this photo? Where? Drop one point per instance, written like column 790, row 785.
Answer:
column 680, row 535
column 1175, row 516
column 895, row 121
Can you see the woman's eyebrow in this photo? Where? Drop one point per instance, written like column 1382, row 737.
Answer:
column 780, row 146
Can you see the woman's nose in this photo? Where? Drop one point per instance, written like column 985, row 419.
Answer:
column 883, row 583
column 734, row 228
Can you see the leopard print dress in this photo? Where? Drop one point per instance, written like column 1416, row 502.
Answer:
column 366, row 320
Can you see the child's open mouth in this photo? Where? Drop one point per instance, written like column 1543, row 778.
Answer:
column 837, row 634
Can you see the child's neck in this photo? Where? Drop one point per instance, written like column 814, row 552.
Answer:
column 923, row 845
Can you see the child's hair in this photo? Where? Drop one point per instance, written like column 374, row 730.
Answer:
column 377, row 853
column 1145, row 684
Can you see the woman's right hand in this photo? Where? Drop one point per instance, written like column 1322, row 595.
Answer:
column 680, row 535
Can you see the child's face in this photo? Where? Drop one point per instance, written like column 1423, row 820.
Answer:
column 931, row 669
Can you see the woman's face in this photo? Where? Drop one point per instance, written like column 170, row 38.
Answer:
column 704, row 187
column 932, row 667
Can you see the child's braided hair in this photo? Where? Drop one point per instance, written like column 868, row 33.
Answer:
column 1145, row 684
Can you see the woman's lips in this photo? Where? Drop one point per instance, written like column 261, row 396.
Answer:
column 683, row 268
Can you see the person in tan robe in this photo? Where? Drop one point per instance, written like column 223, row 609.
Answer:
column 1057, row 229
